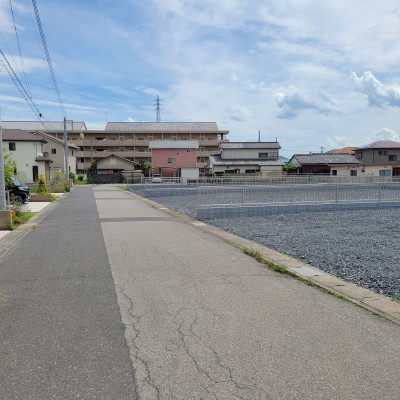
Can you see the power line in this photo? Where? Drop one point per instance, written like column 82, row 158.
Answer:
column 46, row 50
column 19, row 85
column 19, row 50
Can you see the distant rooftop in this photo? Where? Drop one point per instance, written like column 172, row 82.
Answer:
column 250, row 145
column 382, row 144
column 18, row 135
column 163, row 126
column 45, row 126
column 323, row 158
column 173, row 144
column 217, row 160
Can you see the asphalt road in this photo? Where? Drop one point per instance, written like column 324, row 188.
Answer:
column 109, row 298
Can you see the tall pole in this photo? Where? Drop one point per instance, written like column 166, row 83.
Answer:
column 66, row 171
column 158, row 108
column 3, row 205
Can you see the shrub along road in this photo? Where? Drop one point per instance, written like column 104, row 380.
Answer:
column 109, row 298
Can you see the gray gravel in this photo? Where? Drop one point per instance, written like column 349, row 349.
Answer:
column 359, row 246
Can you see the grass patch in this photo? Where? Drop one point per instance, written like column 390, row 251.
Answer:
column 20, row 214
column 53, row 197
column 276, row 267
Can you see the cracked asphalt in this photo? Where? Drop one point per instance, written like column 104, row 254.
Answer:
column 110, row 298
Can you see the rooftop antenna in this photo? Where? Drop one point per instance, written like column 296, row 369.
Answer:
column 158, row 109
column 322, row 149
column 259, row 136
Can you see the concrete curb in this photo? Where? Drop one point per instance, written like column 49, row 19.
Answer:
column 365, row 298
column 12, row 240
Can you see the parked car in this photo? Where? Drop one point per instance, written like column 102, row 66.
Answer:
column 19, row 193
column 156, row 178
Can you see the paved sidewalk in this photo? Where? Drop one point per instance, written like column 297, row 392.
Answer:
column 112, row 298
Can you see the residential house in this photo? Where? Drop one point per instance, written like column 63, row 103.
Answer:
column 247, row 158
column 27, row 150
column 328, row 164
column 114, row 164
column 129, row 139
column 174, row 158
column 380, row 158
column 54, row 148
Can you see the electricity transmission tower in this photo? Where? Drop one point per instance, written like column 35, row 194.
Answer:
column 158, row 108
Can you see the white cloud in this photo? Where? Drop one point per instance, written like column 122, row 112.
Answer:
column 384, row 134
column 377, row 93
column 293, row 101
column 239, row 113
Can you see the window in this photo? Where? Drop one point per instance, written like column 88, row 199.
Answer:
column 46, row 154
column 53, row 151
column 384, row 172
column 359, row 155
column 262, row 155
column 392, row 157
column 171, row 160
column 334, row 172
column 353, row 172
column 11, row 146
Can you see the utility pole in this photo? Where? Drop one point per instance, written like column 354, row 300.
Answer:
column 66, row 171
column 3, row 204
column 158, row 109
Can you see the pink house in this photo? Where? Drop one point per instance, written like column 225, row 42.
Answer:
column 168, row 157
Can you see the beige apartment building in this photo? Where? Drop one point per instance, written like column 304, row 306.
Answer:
column 129, row 140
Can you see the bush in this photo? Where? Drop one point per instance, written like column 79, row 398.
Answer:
column 19, row 209
column 67, row 188
column 81, row 177
column 41, row 186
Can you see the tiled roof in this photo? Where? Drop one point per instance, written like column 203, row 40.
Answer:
column 162, row 126
column 120, row 158
column 217, row 160
column 41, row 158
column 173, row 144
column 382, row 144
column 17, row 135
column 250, row 145
column 44, row 125
column 344, row 150
column 54, row 139
column 323, row 158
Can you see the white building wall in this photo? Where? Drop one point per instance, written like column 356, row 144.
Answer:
column 241, row 154
column 25, row 154
column 374, row 170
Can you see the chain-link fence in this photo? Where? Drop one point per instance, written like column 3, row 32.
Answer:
column 287, row 194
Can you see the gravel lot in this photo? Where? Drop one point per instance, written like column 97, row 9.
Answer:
column 359, row 246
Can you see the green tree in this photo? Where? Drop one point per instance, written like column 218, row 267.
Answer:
column 290, row 168
column 10, row 167
column 145, row 167
column 41, row 186
column 93, row 168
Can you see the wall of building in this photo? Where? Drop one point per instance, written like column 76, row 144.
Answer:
column 379, row 156
column 374, row 170
column 25, row 154
column 242, row 154
column 183, row 158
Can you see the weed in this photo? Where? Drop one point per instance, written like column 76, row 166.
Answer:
column 277, row 267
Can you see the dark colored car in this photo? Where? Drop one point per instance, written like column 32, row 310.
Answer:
column 19, row 193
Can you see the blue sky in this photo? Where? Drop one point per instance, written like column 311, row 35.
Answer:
column 311, row 73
